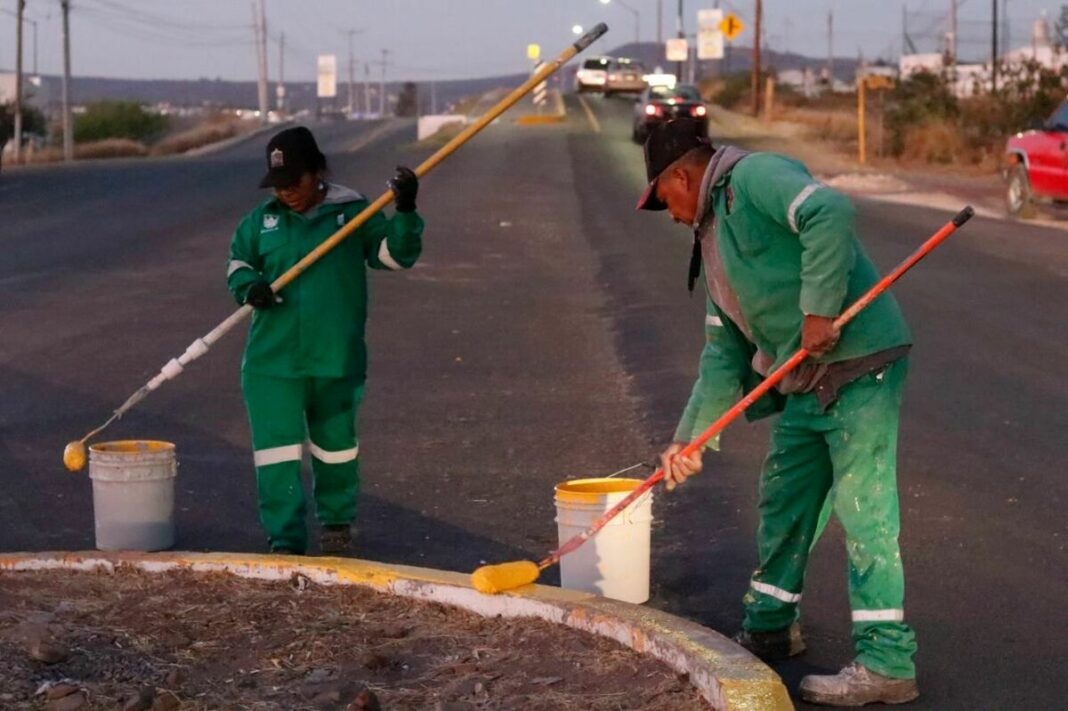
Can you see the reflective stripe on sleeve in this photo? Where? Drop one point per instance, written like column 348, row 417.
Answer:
column 791, row 213
column 386, row 258
column 236, row 265
column 277, row 455
column 878, row 615
column 777, row 593
column 338, row 457
column 713, row 320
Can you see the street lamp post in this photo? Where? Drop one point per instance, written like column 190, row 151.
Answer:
column 637, row 18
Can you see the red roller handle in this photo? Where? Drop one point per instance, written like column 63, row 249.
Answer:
column 769, row 382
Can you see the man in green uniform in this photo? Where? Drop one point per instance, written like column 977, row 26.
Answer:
column 305, row 363
column 781, row 260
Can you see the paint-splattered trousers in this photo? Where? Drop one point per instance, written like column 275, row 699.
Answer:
column 284, row 414
column 848, row 452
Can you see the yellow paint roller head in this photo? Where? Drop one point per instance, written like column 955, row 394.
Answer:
column 74, row 455
column 493, row 579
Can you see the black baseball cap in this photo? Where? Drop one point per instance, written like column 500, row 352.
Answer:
column 667, row 142
column 290, row 154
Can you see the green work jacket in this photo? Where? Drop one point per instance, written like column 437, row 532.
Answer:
column 317, row 330
column 787, row 247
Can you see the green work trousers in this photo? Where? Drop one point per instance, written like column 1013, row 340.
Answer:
column 284, row 413
column 844, row 457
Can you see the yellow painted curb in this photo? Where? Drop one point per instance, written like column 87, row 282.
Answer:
column 535, row 120
column 729, row 678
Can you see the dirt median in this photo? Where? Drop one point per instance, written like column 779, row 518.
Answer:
column 187, row 640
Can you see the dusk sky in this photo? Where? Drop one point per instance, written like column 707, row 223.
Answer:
column 189, row 39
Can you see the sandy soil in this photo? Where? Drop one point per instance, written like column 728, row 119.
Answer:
column 132, row 640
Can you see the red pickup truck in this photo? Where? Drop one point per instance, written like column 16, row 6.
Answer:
column 1037, row 165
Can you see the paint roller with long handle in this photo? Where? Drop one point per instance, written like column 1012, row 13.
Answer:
column 507, row 576
column 74, row 453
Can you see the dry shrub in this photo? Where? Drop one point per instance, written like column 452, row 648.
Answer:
column 195, row 138
column 829, row 125
column 108, row 148
column 937, row 141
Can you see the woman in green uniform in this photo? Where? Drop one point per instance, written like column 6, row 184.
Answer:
column 305, row 362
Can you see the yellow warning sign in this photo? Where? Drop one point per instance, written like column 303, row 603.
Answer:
column 533, row 51
column 731, row 26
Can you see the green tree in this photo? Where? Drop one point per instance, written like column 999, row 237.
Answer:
column 407, row 100
column 33, row 122
column 118, row 119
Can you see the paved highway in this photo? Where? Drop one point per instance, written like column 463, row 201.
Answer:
column 547, row 334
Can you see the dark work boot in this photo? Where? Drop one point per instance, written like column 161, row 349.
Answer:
column 336, row 540
column 857, row 685
column 773, row 646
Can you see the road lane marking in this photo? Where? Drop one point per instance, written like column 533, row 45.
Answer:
column 594, row 123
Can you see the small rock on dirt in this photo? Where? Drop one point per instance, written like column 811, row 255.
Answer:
column 174, row 679
column 373, row 661
column 48, row 652
column 364, row 701
column 71, row 702
column 58, row 691
column 141, row 701
column 166, row 702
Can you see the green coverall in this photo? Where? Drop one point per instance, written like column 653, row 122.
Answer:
column 305, row 362
column 786, row 247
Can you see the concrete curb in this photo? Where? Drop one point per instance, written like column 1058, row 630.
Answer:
column 727, row 676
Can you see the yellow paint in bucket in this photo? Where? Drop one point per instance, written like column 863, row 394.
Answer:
column 615, row 562
column 133, row 494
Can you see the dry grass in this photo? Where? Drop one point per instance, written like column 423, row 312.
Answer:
column 196, row 137
column 108, row 148
column 836, row 126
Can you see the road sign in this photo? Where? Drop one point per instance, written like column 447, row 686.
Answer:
column 327, row 85
column 731, row 26
column 533, row 51
column 678, row 50
column 709, row 36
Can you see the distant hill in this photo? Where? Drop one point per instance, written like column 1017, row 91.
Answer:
column 301, row 95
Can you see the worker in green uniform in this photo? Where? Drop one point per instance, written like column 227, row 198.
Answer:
column 305, row 362
column 781, row 259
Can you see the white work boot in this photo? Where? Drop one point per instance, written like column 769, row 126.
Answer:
column 857, row 685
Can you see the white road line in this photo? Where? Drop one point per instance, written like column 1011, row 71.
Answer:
column 594, row 123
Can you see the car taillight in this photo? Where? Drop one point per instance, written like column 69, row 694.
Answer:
column 698, row 111
column 652, row 110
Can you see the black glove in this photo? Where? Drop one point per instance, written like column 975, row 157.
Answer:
column 405, row 186
column 260, row 296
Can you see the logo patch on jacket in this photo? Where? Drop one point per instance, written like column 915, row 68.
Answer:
column 341, row 219
column 270, row 222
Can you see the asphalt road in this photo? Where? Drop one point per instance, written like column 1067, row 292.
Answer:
column 547, row 334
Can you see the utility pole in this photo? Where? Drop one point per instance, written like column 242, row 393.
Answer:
column 280, row 92
column 830, row 49
column 352, row 72
column 660, row 25
column 681, row 35
column 68, row 124
column 20, row 8
column 994, row 49
column 756, row 56
column 259, row 19
column 382, row 97
column 952, row 44
column 367, row 89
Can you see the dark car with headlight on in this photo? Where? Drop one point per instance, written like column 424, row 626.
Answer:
column 663, row 103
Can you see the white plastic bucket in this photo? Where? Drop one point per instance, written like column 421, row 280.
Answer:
column 133, row 494
column 615, row 562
